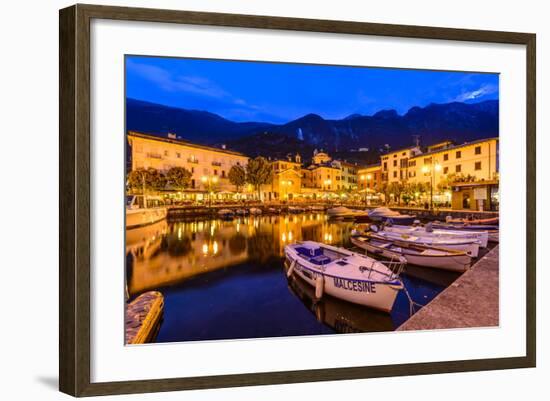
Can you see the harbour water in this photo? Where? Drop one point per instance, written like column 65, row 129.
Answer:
column 226, row 279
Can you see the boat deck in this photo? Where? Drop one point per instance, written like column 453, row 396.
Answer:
column 143, row 317
column 471, row 301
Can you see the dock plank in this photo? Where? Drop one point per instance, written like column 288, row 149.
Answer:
column 143, row 317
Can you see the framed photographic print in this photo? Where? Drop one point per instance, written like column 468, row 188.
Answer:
column 250, row 200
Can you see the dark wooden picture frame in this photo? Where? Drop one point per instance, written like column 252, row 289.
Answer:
column 74, row 199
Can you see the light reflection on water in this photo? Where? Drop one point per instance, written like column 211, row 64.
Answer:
column 225, row 279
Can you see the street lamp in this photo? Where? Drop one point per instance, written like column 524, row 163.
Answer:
column 209, row 182
column 366, row 179
column 427, row 169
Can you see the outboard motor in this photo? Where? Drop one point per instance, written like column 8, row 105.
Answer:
column 416, row 223
column 429, row 227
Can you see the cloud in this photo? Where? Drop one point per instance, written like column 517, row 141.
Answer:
column 484, row 90
column 177, row 83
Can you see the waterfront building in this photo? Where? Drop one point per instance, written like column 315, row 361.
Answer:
column 208, row 165
column 348, row 175
column 395, row 164
column 325, row 177
column 287, row 179
column 465, row 175
column 369, row 178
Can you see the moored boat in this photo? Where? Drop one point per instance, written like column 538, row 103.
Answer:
column 416, row 254
column 255, row 211
column 467, row 227
column 344, row 212
column 468, row 245
column 143, row 210
column 492, row 221
column 383, row 214
column 241, row 212
column 295, row 209
column 429, row 232
column 346, row 275
column 226, row 214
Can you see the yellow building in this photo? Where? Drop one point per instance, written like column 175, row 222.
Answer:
column 395, row 164
column 209, row 166
column 325, row 177
column 477, row 159
column 287, row 179
column 470, row 169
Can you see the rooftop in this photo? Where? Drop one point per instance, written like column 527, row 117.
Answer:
column 455, row 147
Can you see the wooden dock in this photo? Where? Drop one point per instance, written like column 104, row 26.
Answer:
column 143, row 317
column 471, row 301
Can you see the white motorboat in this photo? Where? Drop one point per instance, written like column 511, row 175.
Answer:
column 241, row 212
column 384, row 214
column 143, row 210
column 429, row 232
column 255, row 211
column 468, row 245
column 421, row 255
column 346, row 275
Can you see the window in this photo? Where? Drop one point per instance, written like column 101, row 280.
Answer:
column 458, row 154
column 178, row 155
column 395, row 163
column 478, row 166
column 395, row 174
column 427, row 160
column 478, row 150
column 165, row 153
column 192, row 170
column 385, row 165
column 445, row 170
column 404, row 154
column 445, row 157
column 223, row 173
column 458, row 168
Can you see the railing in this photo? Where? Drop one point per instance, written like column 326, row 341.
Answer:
column 191, row 160
column 218, row 164
column 154, row 155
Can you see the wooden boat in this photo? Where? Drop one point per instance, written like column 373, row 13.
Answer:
column 346, row 275
column 296, row 209
column 493, row 221
column 241, row 212
column 383, row 214
column 429, row 232
column 255, row 211
column 470, row 246
column 143, row 210
column 467, row 227
column 421, row 255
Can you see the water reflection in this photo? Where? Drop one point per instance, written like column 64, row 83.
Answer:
column 163, row 254
column 225, row 279
column 341, row 316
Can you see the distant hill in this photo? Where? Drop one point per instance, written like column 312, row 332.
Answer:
column 193, row 125
column 455, row 121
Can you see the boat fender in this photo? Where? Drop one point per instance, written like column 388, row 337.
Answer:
column 291, row 268
column 319, row 286
column 429, row 228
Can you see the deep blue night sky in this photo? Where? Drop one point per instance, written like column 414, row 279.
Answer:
column 278, row 93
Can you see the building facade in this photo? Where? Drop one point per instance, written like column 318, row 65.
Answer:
column 369, row 177
column 209, row 166
column 395, row 165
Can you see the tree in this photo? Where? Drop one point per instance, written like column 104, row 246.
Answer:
column 237, row 177
column 397, row 188
column 141, row 180
column 258, row 173
column 385, row 190
column 179, row 178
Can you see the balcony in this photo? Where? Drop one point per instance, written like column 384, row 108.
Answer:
column 192, row 160
column 154, row 156
column 217, row 164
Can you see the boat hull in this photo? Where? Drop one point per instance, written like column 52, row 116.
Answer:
column 456, row 263
column 142, row 217
column 481, row 236
column 373, row 294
